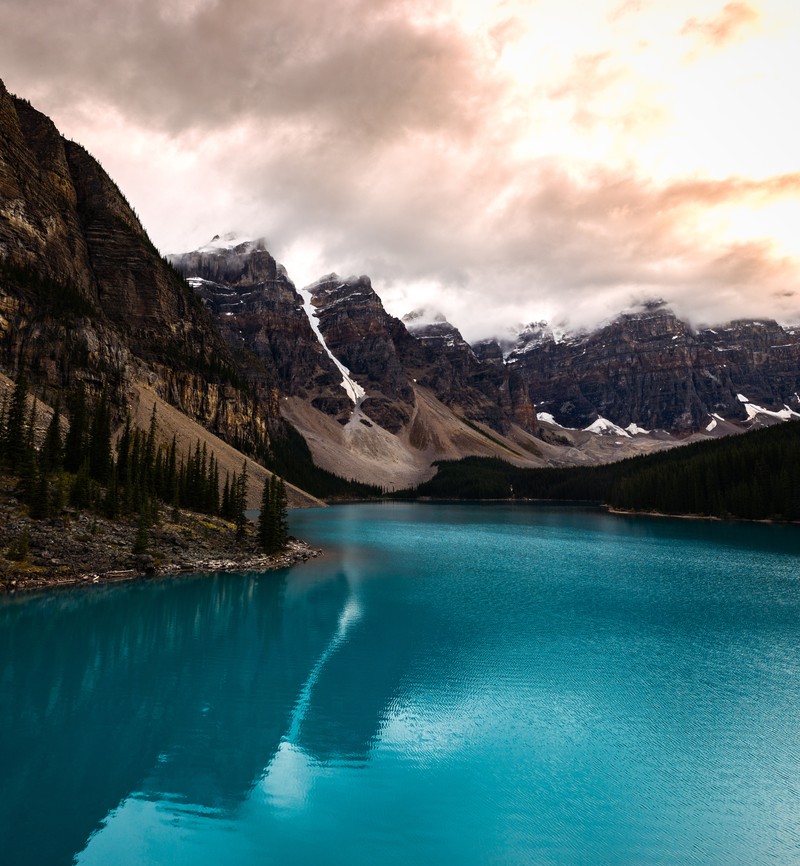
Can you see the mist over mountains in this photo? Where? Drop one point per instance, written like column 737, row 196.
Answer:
column 223, row 334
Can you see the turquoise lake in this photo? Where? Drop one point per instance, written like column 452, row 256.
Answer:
column 449, row 684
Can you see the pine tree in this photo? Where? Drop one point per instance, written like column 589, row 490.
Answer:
column 214, row 501
column 281, row 515
column 148, row 457
column 240, row 519
column 75, row 444
column 15, row 439
column 52, row 454
column 226, row 497
column 111, row 504
column 100, row 440
column 266, row 519
column 142, row 540
column 170, row 470
column 124, row 450
column 273, row 530
column 81, row 493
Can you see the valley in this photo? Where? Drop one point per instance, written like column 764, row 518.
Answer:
column 320, row 383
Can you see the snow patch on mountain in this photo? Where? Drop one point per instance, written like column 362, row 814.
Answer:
column 604, row 427
column 785, row 414
column 546, row 416
column 353, row 390
column 226, row 242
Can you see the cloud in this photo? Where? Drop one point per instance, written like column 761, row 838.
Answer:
column 723, row 28
column 363, row 66
column 498, row 161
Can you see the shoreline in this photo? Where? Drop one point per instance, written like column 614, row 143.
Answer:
column 297, row 551
column 593, row 503
column 83, row 548
column 710, row 517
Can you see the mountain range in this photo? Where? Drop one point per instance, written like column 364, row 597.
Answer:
column 223, row 336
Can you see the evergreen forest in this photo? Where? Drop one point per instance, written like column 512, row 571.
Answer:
column 755, row 476
column 136, row 479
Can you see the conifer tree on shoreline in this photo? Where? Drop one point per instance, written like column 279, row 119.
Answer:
column 273, row 534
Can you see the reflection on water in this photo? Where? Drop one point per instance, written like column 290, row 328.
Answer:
column 287, row 775
column 449, row 684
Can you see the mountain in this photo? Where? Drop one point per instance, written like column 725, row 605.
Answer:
column 649, row 370
column 222, row 335
column 338, row 360
column 377, row 399
column 367, row 340
column 85, row 296
column 486, row 390
column 262, row 319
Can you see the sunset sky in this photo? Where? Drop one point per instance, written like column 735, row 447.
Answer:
column 502, row 161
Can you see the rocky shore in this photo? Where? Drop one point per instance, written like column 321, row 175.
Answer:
column 81, row 548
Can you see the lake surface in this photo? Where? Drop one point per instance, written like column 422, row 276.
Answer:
column 450, row 684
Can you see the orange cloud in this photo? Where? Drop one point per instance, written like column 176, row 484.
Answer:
column 724, row 27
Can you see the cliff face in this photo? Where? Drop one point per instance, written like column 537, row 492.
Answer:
column 39, row 222
column 85, row 294
column 653, row 370
column 365, row 338
column 480, row 387
column 260, row 315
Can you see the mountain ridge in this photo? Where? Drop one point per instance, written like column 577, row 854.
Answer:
column 86, row 297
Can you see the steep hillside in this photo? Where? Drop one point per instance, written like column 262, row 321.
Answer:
column 84, row 295
column 261, row 316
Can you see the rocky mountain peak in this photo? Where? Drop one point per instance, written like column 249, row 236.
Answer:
column 333, row 289
column 365, row 339
column 221, row 244
column 231, row 259
column 422, row 317
column 432, row 326
column 263, row 320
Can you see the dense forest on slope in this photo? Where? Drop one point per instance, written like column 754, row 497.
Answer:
column 754, row 476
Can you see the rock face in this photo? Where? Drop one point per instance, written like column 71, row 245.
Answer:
column 293, row 337
column 367, row 340
column 479, row 387
column 651, row 369
column 388, row 356
column 84, row 294
column 260, row 315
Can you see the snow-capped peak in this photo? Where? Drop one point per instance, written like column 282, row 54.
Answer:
column 228, row 241
column 422, row 317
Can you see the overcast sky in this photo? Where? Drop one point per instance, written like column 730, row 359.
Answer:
column 503, row 161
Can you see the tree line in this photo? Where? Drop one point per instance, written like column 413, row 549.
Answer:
column 755, row 476
column 83, row 469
